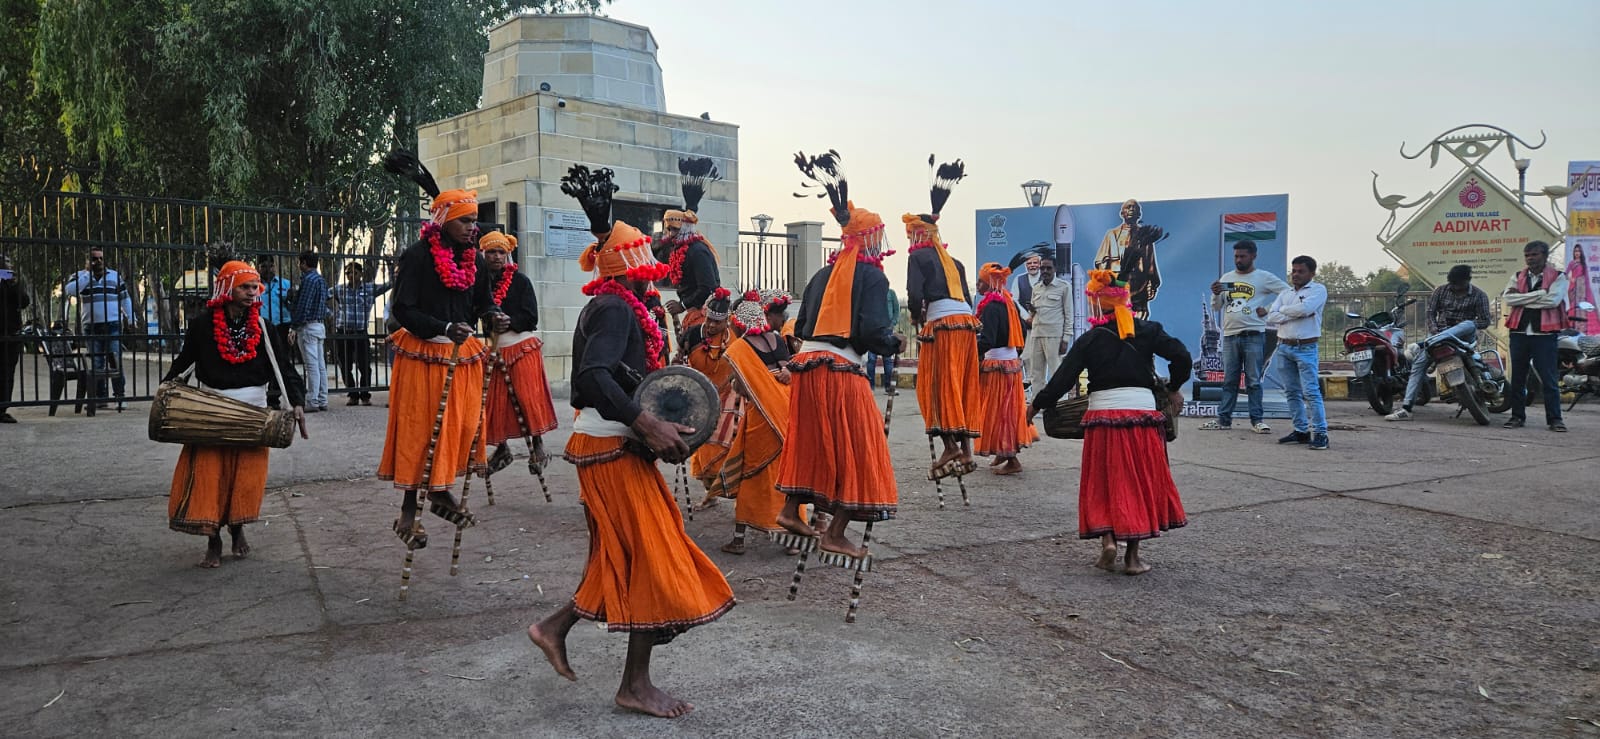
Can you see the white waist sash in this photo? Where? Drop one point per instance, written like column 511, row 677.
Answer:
column 590, row 422
column 1001, row 352
column 440, row 339
column 255, row 395
column 844, row 352
column 947, row 307
column 1122, row 399
column 513, row 338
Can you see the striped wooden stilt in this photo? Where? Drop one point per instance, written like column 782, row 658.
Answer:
column 933, row 456
column 683, row 480
column 861, row 571
column 478, row 441
column 961, row 482
column 535, row 465
column 805, row 544
column 427, row 465
column 539, row 473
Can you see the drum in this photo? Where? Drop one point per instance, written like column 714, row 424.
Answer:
column 1064, row 420
column 682, row 395
column 182, row 414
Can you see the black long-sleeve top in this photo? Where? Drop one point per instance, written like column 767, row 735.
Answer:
column 200, row 351
column 519, row 304
column 700, row 277
column 996, row 331
column 424, row 306
column 1113, row 362
column 871, row 328
column 925, row 282
column 608, row 360
column 13, row 298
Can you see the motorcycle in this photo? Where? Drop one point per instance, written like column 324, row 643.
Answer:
column 1578, row 361
column 1373, row 350
column 1474, row 384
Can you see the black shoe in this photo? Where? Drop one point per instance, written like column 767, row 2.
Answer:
column 1558, row 426
column 1319, row 442
column 367, row 400
column 1514, row 423
column 1296, row 437
column 354, row 400
column 7, row 418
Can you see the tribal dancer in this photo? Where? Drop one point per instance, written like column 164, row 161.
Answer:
column 704, row 346
column 214, row 486
column 442, row 289
column 1006, row 427
column 692, row 261
column 518, row 377
column 941, row 306
column 835, row 453
column 644, row 575
column 757, row 400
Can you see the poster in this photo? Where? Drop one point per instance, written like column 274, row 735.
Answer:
column 1175, row 275
column 1583, row 227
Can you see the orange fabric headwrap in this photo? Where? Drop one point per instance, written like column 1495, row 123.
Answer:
column 232, row 274
column 453, row 204
column 1106, row 294
column 495, row 240
column 918, row 231
column 626, row 252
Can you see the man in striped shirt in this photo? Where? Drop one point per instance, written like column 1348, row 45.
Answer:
column 308, row 330
column 352, row 348
column 103, row 309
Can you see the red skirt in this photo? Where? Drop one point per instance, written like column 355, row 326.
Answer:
column 1125, row 487
column 524, row 362
column 1006, row 428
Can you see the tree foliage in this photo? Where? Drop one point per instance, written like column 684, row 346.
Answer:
column 1340, row 278
column 265, row 102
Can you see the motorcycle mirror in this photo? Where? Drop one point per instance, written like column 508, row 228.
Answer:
column 1356, row 316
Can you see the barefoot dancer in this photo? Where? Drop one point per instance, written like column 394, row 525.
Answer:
column 1125, row 488
column 835, row 454
column 644, row 575
column 759, row 396
column 441, row 290
column 519, row 375
column 704, row 345
column 941, row 306
column 217, row 485
column 1006, row 428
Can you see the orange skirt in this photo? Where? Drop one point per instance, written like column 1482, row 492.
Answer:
column 524, row 362
column 836, row 455
column 644, row 573
column 213, row 486
column 947, row 376
column 415, row 386
column 1006, row 428
column 757, row 500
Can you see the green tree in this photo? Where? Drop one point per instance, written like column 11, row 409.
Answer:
column 33, row 152
column 1339, row 278
column 1384, row 280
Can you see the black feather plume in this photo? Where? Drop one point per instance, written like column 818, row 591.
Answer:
column 945, row 177
column 824, row 170
column 695, row 173
column 407, row 165
column 593, row 190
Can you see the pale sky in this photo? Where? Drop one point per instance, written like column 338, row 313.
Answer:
column 1107, row 100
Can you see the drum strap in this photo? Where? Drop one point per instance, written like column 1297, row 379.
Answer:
column 272, row 356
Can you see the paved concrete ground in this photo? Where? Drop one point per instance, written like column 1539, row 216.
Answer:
column 1432, row 578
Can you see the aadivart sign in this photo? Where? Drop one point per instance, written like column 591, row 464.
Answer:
column 1473, row 221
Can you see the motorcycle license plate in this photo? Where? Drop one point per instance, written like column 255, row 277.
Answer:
column 1365, row 355
column 1452, row 371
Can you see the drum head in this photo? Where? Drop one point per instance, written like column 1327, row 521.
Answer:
column 681, row 395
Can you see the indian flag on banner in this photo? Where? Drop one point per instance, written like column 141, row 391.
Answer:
column 1249, row 227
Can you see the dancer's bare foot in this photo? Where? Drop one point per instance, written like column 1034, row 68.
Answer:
column 1011, row 467
column 213, row 558
column 951, row 453
column 838, row 544
column 241, row 548
column 1108, row 554
column 996, row 461
column 1131, row 563
column 736, row 546
column 792, row 551
column 651, row 701
column 794, row 525
column 552, row 640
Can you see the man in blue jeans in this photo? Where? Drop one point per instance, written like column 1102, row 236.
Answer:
column 1242, row 297
column 1455, row 309
column 309, row 331
column 1297, row 314
column 103, row 308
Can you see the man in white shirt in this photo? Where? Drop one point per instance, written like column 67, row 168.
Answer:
column 1242, row 297
column 1297, row 314
column 1050, row 306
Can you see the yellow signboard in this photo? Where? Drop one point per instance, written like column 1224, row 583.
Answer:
column 1473, row 221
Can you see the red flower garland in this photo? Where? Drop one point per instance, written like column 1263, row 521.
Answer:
column 991, row 297
column 919, row 246
column 456, row 276
column 504, row 284
column 230, row 351
column 675, row 262
column 652, row 332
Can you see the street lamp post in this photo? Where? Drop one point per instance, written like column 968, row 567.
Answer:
column 1035, row 190
column 1522, row 180
column 762, row 222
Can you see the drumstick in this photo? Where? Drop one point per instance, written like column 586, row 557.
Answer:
column 427, row 465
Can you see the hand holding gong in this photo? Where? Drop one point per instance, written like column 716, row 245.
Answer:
column 663, row 437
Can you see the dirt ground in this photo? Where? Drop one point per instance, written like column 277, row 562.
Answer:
column 1430, row 578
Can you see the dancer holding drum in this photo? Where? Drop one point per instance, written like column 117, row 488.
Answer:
column 216, row 486
column 644, row 575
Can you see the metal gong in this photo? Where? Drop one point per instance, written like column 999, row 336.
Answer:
column 683, row 395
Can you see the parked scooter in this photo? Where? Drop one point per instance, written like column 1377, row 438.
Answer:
column 1373, row 349
column 1578, row 361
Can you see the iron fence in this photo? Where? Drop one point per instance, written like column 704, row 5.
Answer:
column 158, row 248
column 764, row 262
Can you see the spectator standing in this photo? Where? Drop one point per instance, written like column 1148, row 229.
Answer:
column 1535, row 297
column 103, row 308
column 308, row 330
column 1242, row 297
column 1297, row 314
column 875, row 360
column 13, row 298
column 1050, row 305
column 275, row 311
column 352, row 347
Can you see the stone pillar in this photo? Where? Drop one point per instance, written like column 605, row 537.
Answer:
column 805, row 255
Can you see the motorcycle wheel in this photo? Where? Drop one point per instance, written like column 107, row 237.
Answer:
column 1467, row 396
column 1378, row 395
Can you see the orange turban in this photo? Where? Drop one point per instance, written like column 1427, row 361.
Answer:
column 625, row 253
column 995, row 274
column 495, row 240
column 232, row 275
column 678, row 218
column 453, row 204
column 1107, row 294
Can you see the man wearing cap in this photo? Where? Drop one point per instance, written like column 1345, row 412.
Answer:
column 1456, row 309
